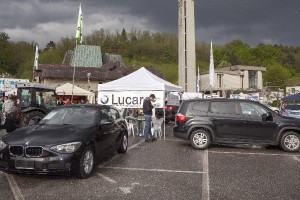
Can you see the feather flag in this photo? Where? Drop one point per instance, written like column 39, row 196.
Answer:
column 79, row 27
column 198, row 81
column 211, row 67
column 36, row 58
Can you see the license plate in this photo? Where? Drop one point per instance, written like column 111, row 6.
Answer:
column 24, row 164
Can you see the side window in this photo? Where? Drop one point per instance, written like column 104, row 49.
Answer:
column 252, row 109
column 199, row 107
column 104, row 115
column 223, row 107
column 25, row 97
column 114, row 114
column 49, row 99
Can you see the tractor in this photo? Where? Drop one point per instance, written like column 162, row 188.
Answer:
column 34, row 100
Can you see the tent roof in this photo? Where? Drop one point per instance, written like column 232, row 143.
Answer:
column 291, row 97
column 66, row 89
column 141, row 80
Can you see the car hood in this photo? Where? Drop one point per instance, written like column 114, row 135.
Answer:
column 42, row 135
column 290, row 120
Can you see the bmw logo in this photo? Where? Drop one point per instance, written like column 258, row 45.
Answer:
column 104, row 99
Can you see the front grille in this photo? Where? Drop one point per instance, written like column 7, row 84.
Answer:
column 33, row 151
column 16, row 150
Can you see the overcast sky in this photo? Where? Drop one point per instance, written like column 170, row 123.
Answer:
column 253, row 21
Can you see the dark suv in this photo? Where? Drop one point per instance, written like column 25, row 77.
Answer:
column 233, row 121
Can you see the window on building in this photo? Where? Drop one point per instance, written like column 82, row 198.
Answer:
column 253, row 79
column 219, row 78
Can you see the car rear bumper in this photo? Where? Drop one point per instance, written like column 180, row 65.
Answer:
column 179, row 133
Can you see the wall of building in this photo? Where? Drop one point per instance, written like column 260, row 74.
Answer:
column 232, row 82
column 246, row 80
column 292, row 90
column 259, row 80
column 93, row 86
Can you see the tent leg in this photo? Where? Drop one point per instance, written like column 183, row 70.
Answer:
column 164, row 117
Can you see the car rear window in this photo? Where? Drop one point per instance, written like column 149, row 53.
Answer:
column 292, row 107
column 223, row 107
column 198, row 107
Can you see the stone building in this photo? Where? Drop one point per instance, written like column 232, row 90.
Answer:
column 238, row 77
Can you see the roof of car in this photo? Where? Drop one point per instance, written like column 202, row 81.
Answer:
column 85, row 105
column 220, row 99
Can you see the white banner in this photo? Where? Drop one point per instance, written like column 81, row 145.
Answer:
column 10, row 84
column 173, row 100
column 129, row 99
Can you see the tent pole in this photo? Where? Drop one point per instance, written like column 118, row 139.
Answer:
column 164, row 102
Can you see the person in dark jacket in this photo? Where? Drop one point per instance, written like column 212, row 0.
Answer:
column 147, row 110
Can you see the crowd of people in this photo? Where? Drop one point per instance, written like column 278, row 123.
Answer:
column 67, row 102
column 6, row 105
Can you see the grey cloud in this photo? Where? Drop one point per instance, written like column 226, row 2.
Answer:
column 253, row 21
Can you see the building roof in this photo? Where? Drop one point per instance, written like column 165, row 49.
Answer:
column 107, row 72
column 237, row 69
column 243, row 68
column 86, row 56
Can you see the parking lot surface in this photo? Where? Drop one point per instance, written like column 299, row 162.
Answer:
column 171, row 169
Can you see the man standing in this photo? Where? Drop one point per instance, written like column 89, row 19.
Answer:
column 147, row 109
column 8, row 104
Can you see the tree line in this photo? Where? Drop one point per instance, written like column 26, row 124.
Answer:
column 160, row 50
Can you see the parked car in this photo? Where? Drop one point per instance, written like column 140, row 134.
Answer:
column 276, row 109
column 170, row 113
column 291, row 110
column 68, row 140
column 234, row 121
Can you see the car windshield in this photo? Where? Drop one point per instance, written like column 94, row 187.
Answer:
column 70, row 115
column 292, row 107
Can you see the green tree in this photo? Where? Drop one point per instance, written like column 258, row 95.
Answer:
column 276, row 75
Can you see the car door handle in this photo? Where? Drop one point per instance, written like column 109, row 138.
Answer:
column 246, row 122
column 212, row 119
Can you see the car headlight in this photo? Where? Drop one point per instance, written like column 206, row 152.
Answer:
column 2, row 145
column 66, row 148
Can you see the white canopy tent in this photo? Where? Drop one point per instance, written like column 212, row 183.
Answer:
column 66, row 89
column 141, row 80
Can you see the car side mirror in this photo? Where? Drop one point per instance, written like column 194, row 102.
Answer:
column 267, row 117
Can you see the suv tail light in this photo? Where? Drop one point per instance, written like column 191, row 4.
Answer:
column 180, row 118
column 169, row 107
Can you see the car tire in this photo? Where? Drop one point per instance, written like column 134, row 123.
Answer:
column 124, row 144
column 290, row 141
column 86, row 163
column 200, row 139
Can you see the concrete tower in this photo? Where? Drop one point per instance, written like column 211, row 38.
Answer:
column 186, row 46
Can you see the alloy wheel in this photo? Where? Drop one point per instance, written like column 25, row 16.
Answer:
column 200, row 139
column 125, row 142
column 88, row 161
column 291, row 142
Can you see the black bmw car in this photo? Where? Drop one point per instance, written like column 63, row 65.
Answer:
column 69, row 140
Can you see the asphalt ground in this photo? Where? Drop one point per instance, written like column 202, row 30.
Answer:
column 171, row 169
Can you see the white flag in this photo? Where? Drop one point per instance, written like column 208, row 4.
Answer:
column 36, row 58
column 211, row 67
column 198, row 81
column 78, row 35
